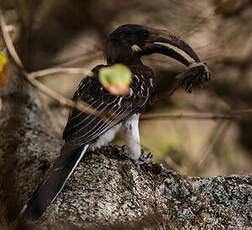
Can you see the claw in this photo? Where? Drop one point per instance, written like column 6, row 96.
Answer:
column 145, row 158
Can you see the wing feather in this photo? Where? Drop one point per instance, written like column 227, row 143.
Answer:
column 83, row 127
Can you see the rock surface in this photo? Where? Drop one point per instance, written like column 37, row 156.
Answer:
column 109, row 188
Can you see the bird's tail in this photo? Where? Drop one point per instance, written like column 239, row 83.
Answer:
column 54, row 182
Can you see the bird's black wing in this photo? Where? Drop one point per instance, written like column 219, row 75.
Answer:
column 83, row 127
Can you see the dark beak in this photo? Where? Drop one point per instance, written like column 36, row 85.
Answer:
column 162, row 36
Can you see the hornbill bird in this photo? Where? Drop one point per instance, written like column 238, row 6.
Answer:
column 84, row 131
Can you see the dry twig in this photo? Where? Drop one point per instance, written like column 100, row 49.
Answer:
column 54, row 70
column 198, row 116
column 8, row 41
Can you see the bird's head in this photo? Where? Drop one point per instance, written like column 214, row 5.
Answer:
column 128, row 43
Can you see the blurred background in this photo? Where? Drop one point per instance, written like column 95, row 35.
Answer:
column 72, row 34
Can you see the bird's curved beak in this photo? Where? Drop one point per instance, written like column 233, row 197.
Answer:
column 153, row 45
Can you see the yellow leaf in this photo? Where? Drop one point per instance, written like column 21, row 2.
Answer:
column 3, row 70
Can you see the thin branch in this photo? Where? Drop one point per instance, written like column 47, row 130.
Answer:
column 80, row 105
column 54, row 70
column 197, row 116
column 8, row 41
column 243, row 112
column 83, row 58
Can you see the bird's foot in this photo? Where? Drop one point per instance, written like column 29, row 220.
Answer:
column 143, row 159
column 146, row 158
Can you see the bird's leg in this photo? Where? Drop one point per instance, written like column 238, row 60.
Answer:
column 132, row 137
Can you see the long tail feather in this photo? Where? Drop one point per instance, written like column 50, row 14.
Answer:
column 53, row 183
